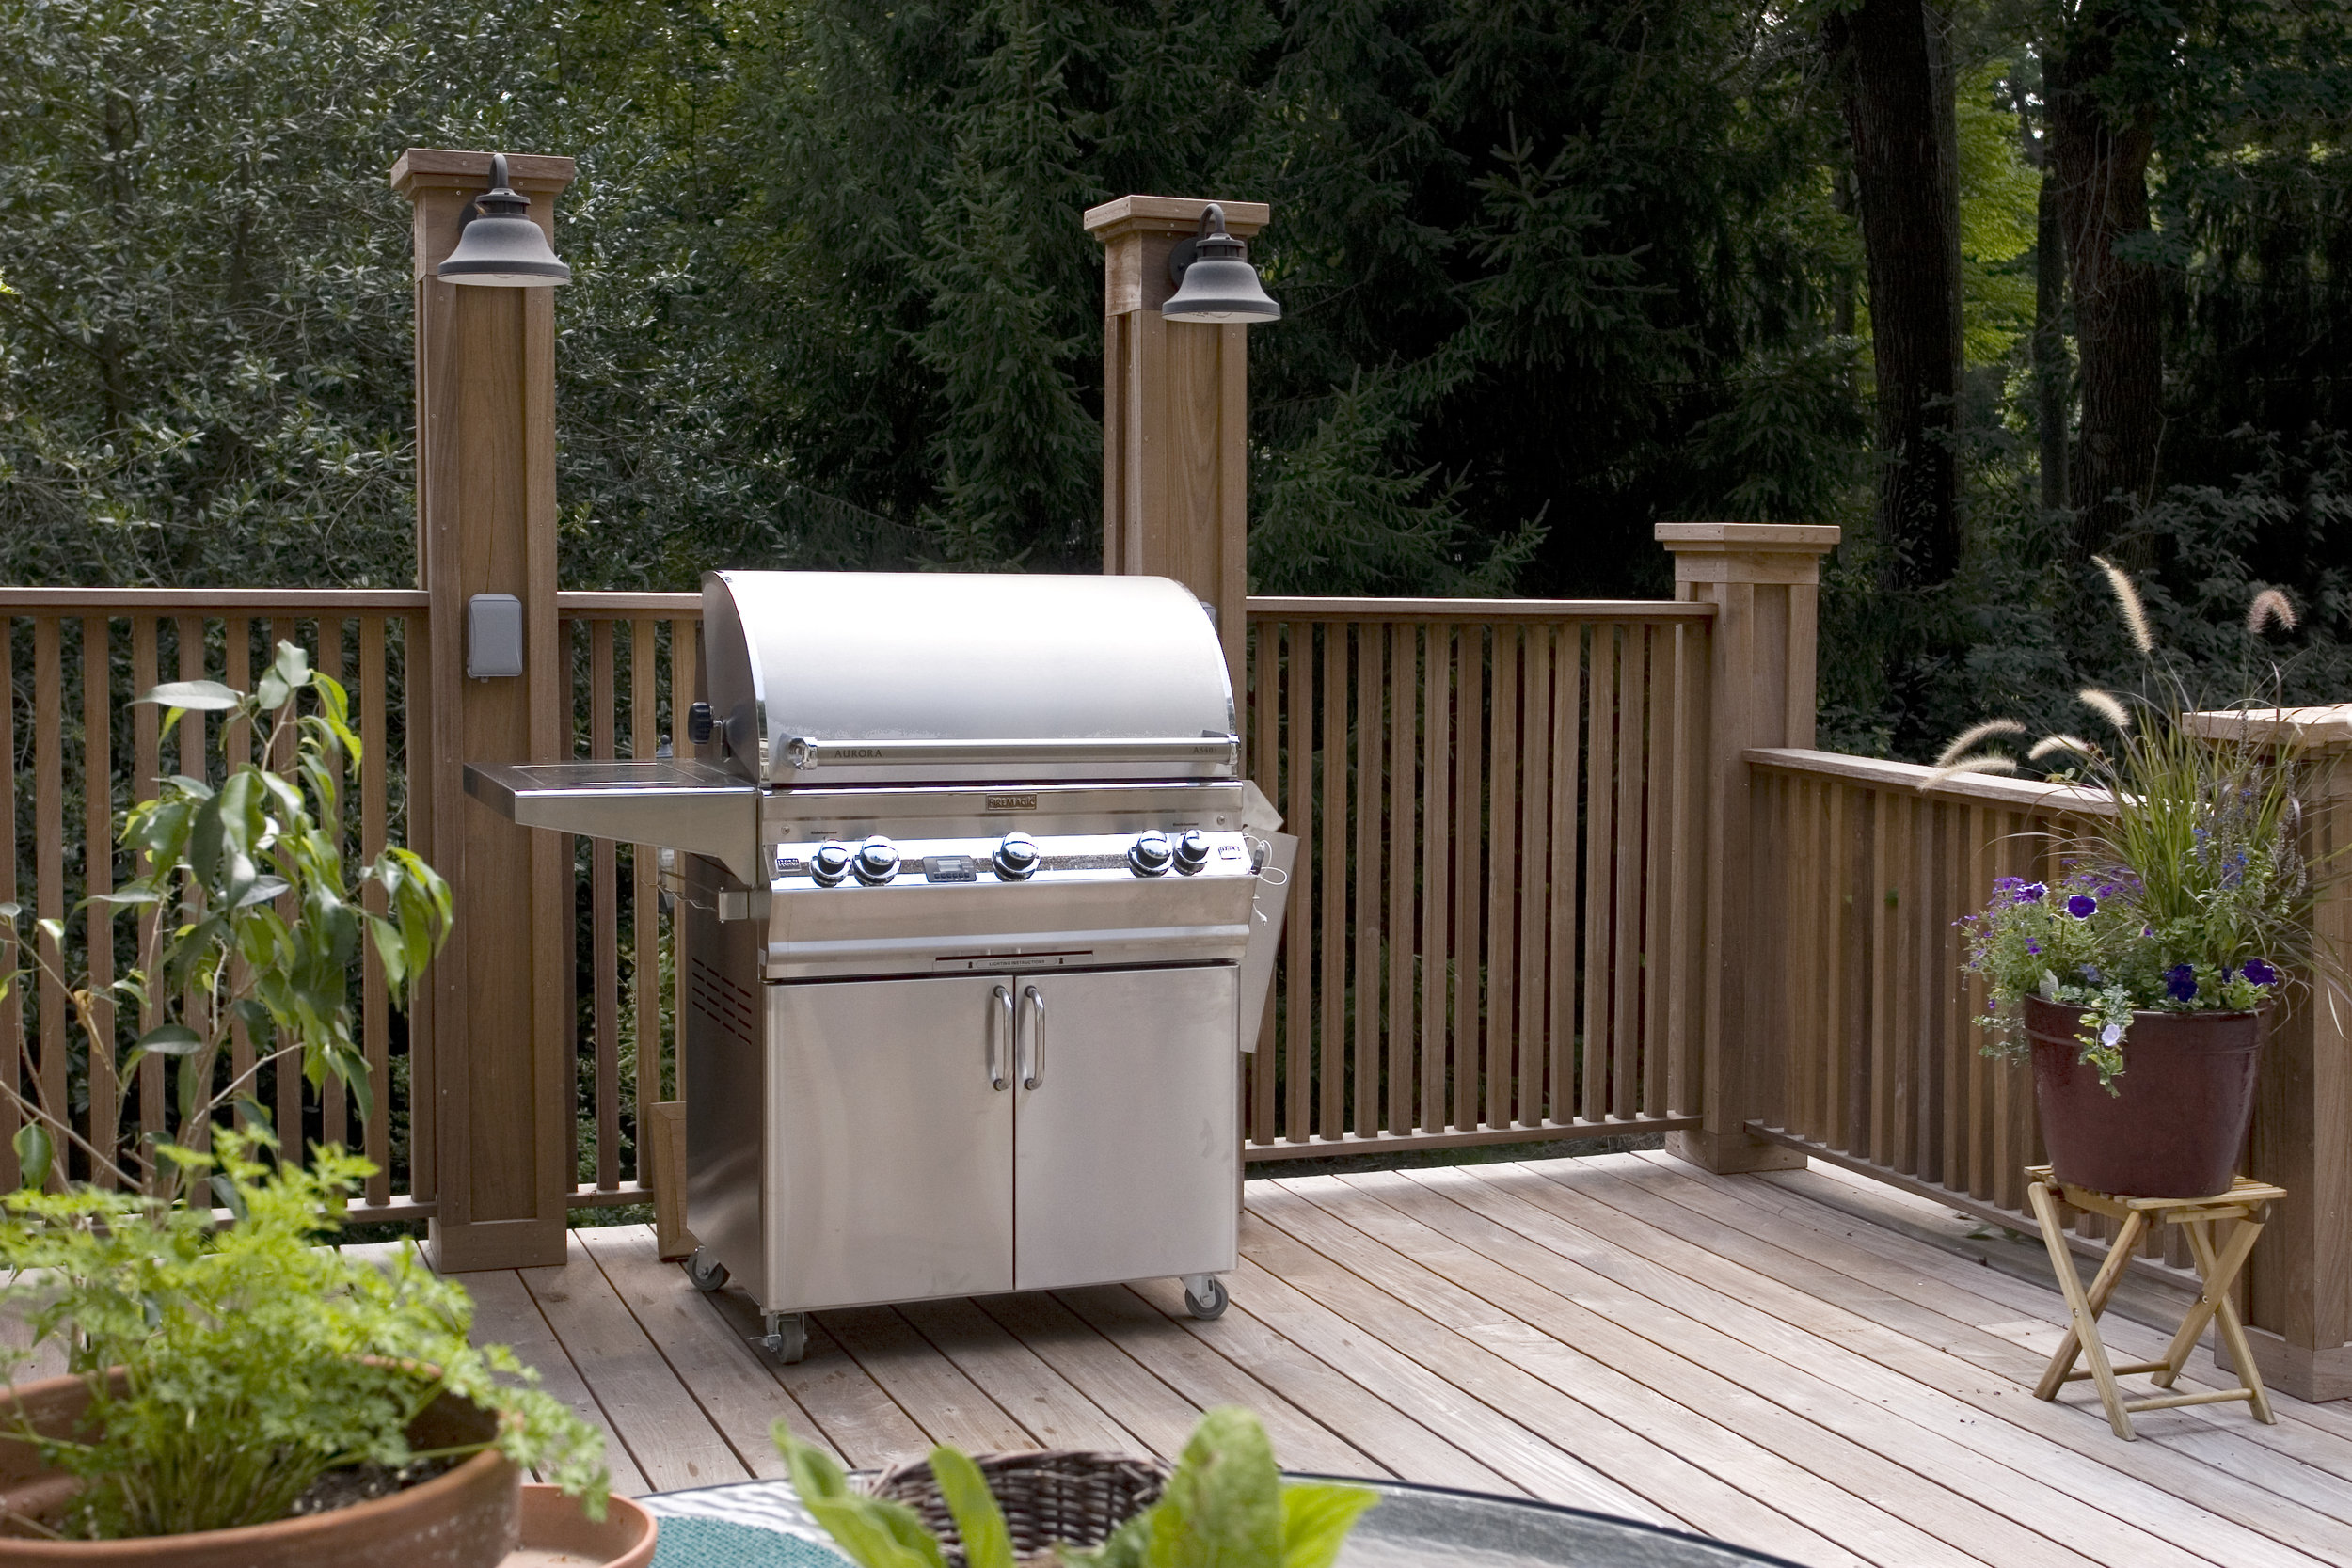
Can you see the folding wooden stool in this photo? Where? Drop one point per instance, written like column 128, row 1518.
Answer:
column 2245, row 1202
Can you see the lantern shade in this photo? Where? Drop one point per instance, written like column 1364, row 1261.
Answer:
column 1214, row 281
column 499, row 245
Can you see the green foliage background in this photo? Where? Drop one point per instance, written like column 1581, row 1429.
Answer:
column 1553, row 270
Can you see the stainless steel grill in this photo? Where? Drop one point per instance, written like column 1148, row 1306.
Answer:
column 968, row 873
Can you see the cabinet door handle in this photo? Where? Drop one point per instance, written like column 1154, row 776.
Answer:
column 999, row 1036
column 1033, row 1069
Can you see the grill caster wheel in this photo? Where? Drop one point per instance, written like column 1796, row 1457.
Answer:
column 704, row 1272
column 786, row 1339
column 1204, row 1296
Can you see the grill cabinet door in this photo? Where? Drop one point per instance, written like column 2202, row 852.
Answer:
column 891, row 1166
column 1126, row 1155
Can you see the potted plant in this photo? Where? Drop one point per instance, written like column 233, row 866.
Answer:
column 2142, row 977
column 241, row 1394
column 1225, row 1505
column 237, row 1393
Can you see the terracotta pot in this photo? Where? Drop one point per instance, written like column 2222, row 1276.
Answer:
column 555, row 1530
column 2177, row 1117
column 465, row 1518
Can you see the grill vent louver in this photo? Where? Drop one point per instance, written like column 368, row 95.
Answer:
column 724, row 1003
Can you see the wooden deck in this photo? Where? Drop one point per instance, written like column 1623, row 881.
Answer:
column 1625, row 1332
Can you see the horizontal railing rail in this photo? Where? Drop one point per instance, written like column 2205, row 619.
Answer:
column 1494, row 918
column 1875, row 1058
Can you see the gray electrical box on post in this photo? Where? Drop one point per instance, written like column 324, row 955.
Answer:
column 494, row 636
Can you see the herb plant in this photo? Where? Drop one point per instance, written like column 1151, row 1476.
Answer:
column 257, row 924
column 253, row 1360
column 2191, row 894
column 1226, row 1506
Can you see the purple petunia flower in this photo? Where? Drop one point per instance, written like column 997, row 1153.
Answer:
column 2260, row 973
column 2090, row 975
column 2179, row 983
column 2082, row 906
column 2033, row 893
column 2034, row 947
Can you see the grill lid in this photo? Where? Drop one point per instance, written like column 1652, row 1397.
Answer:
column 865, row 677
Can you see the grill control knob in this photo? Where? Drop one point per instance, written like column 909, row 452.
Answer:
column 1149, row 855
column 1016, row 857
column 829, row 864
column 876, row 861
column 1192, row 851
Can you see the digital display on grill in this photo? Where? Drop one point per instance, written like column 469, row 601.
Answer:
column 948, row 868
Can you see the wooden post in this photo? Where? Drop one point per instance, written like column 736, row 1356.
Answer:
column 1763, row 579
column 500, row 1016
column 1175, row 416
column 2299, row 1289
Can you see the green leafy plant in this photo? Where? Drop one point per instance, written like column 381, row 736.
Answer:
column 251, row 1359
column 2190, row 892
column 257, row 924
column 1226, row 1506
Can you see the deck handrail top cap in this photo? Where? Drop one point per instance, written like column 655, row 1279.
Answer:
column 2329, row 725
column 1789, row 538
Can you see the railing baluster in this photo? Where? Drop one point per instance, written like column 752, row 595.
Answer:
column 146, row 763
column 1437, row 824
column 334, row 1107
column 605, row 918
column 1560, row 963
column 1625, row 1022
column 12, row 1006
column 1403, row 794
column 1530, row 962
column 1649, row 1094
column 98, row 861
column 1469, row 772
column 1265, row 768
column 48, row 859
column 1600, row 837
column 1502, row 948
column 1331, row 951
column 1298, row 961
column 643, row 917
column 684, row 679
column 376, row 1031
column 1364, row 879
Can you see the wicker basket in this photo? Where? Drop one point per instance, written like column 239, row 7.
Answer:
column 1056, row 1495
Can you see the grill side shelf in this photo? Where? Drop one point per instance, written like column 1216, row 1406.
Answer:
column 678, row 804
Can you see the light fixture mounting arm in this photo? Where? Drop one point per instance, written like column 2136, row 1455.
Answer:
column 1220, row 245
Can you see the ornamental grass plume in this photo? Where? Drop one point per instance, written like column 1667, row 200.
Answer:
column 2184, row 888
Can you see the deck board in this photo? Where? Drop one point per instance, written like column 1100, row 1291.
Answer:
column 1624, row 1331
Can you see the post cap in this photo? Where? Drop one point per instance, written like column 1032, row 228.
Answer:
column 1171, row 214
column 424, row 169
column 1748, row 552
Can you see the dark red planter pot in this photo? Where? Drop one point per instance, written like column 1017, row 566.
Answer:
column 2177, row 1117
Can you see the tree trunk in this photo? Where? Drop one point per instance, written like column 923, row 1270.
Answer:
column 2098, row 167
column 1899, row 104
column 2051, row 370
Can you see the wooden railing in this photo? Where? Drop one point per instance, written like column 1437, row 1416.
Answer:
column 66, row 732
column 1494, row 923
column 73, row 661
column 627, row 653
column 1866, row 1024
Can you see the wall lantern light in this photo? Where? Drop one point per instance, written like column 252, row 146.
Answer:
column 498, row 245
column 1214, row 281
